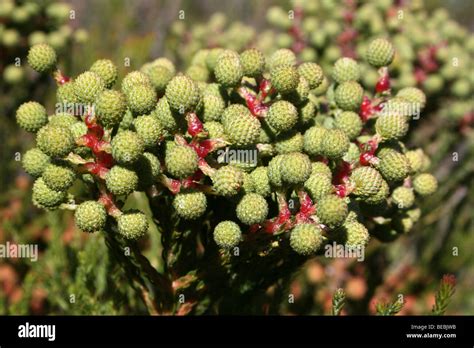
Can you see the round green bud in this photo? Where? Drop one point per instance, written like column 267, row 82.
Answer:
column 31, row 116
column 461, row 88
column 379, row 197
column 380, row 53
column 88, row 86
column 227, row 234
column 350, row 123
column 282, row 116
column 274, row 170
column 433, row 84
column 127, row 147
column 332, row 210
column 8, row 6
column 391, row 126
column 403, row 197
column 415, row 159
column 211, row 107
column 10, row 38
column 149, row 129
column 295, row 168
column 198, row 73
column 353, row 234
column 141, row 99
column 121, row 180
column 159, row 77
column 35, row 161
column 182, row 94
column 306, row 239
column 414, row 214
column 107, row 71
column 313, row 139
column 168, row 119
column 394, row 166
column 252, row 209
column 166, row 63
column 228, row 70
column 44, row 197
column 279, row 18
column 65, row 94
column 247, row 185
column 348, row 96
column 214, row 129
column 425, row 184
column 59, row 12
column 367, row 181
column 42, row 58
column 312, row 73
column 62, row 119
column 90, row 216
column 282, row 57
column 242, row 131
column 132, row 225
column 55, row 141
column 58, row 177
column 227, row 53
column 306, row 113
column 284, row 79
column 190, row 205
column 318, row 186
column 260, row 181
column 110, row 106
column 13, row 74
column 253, row 62
column 320, row 168
column 334, row 144
column 127, row 121
column 300, row 94
column 353, row 153
column 234, row 111
column 148, row 168
column 212, row 56
column 181, row 161
column 413, row 95
column 215, row 89
column 346, row 69
column 134, row 78
column 289, row 142
column 199, row 58
column 227, row 181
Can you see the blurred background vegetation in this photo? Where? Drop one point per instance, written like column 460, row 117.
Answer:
column 73, row 263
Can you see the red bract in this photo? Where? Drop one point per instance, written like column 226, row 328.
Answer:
column 449, row 279
column 367, row 109
column 342, row 173
column 341, row 190
column 194, row 124
column 107, row 199
column 383, row 84
column 60, row 78
column 365, row 158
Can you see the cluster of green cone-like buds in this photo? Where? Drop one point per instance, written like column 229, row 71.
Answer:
column 305, row 157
